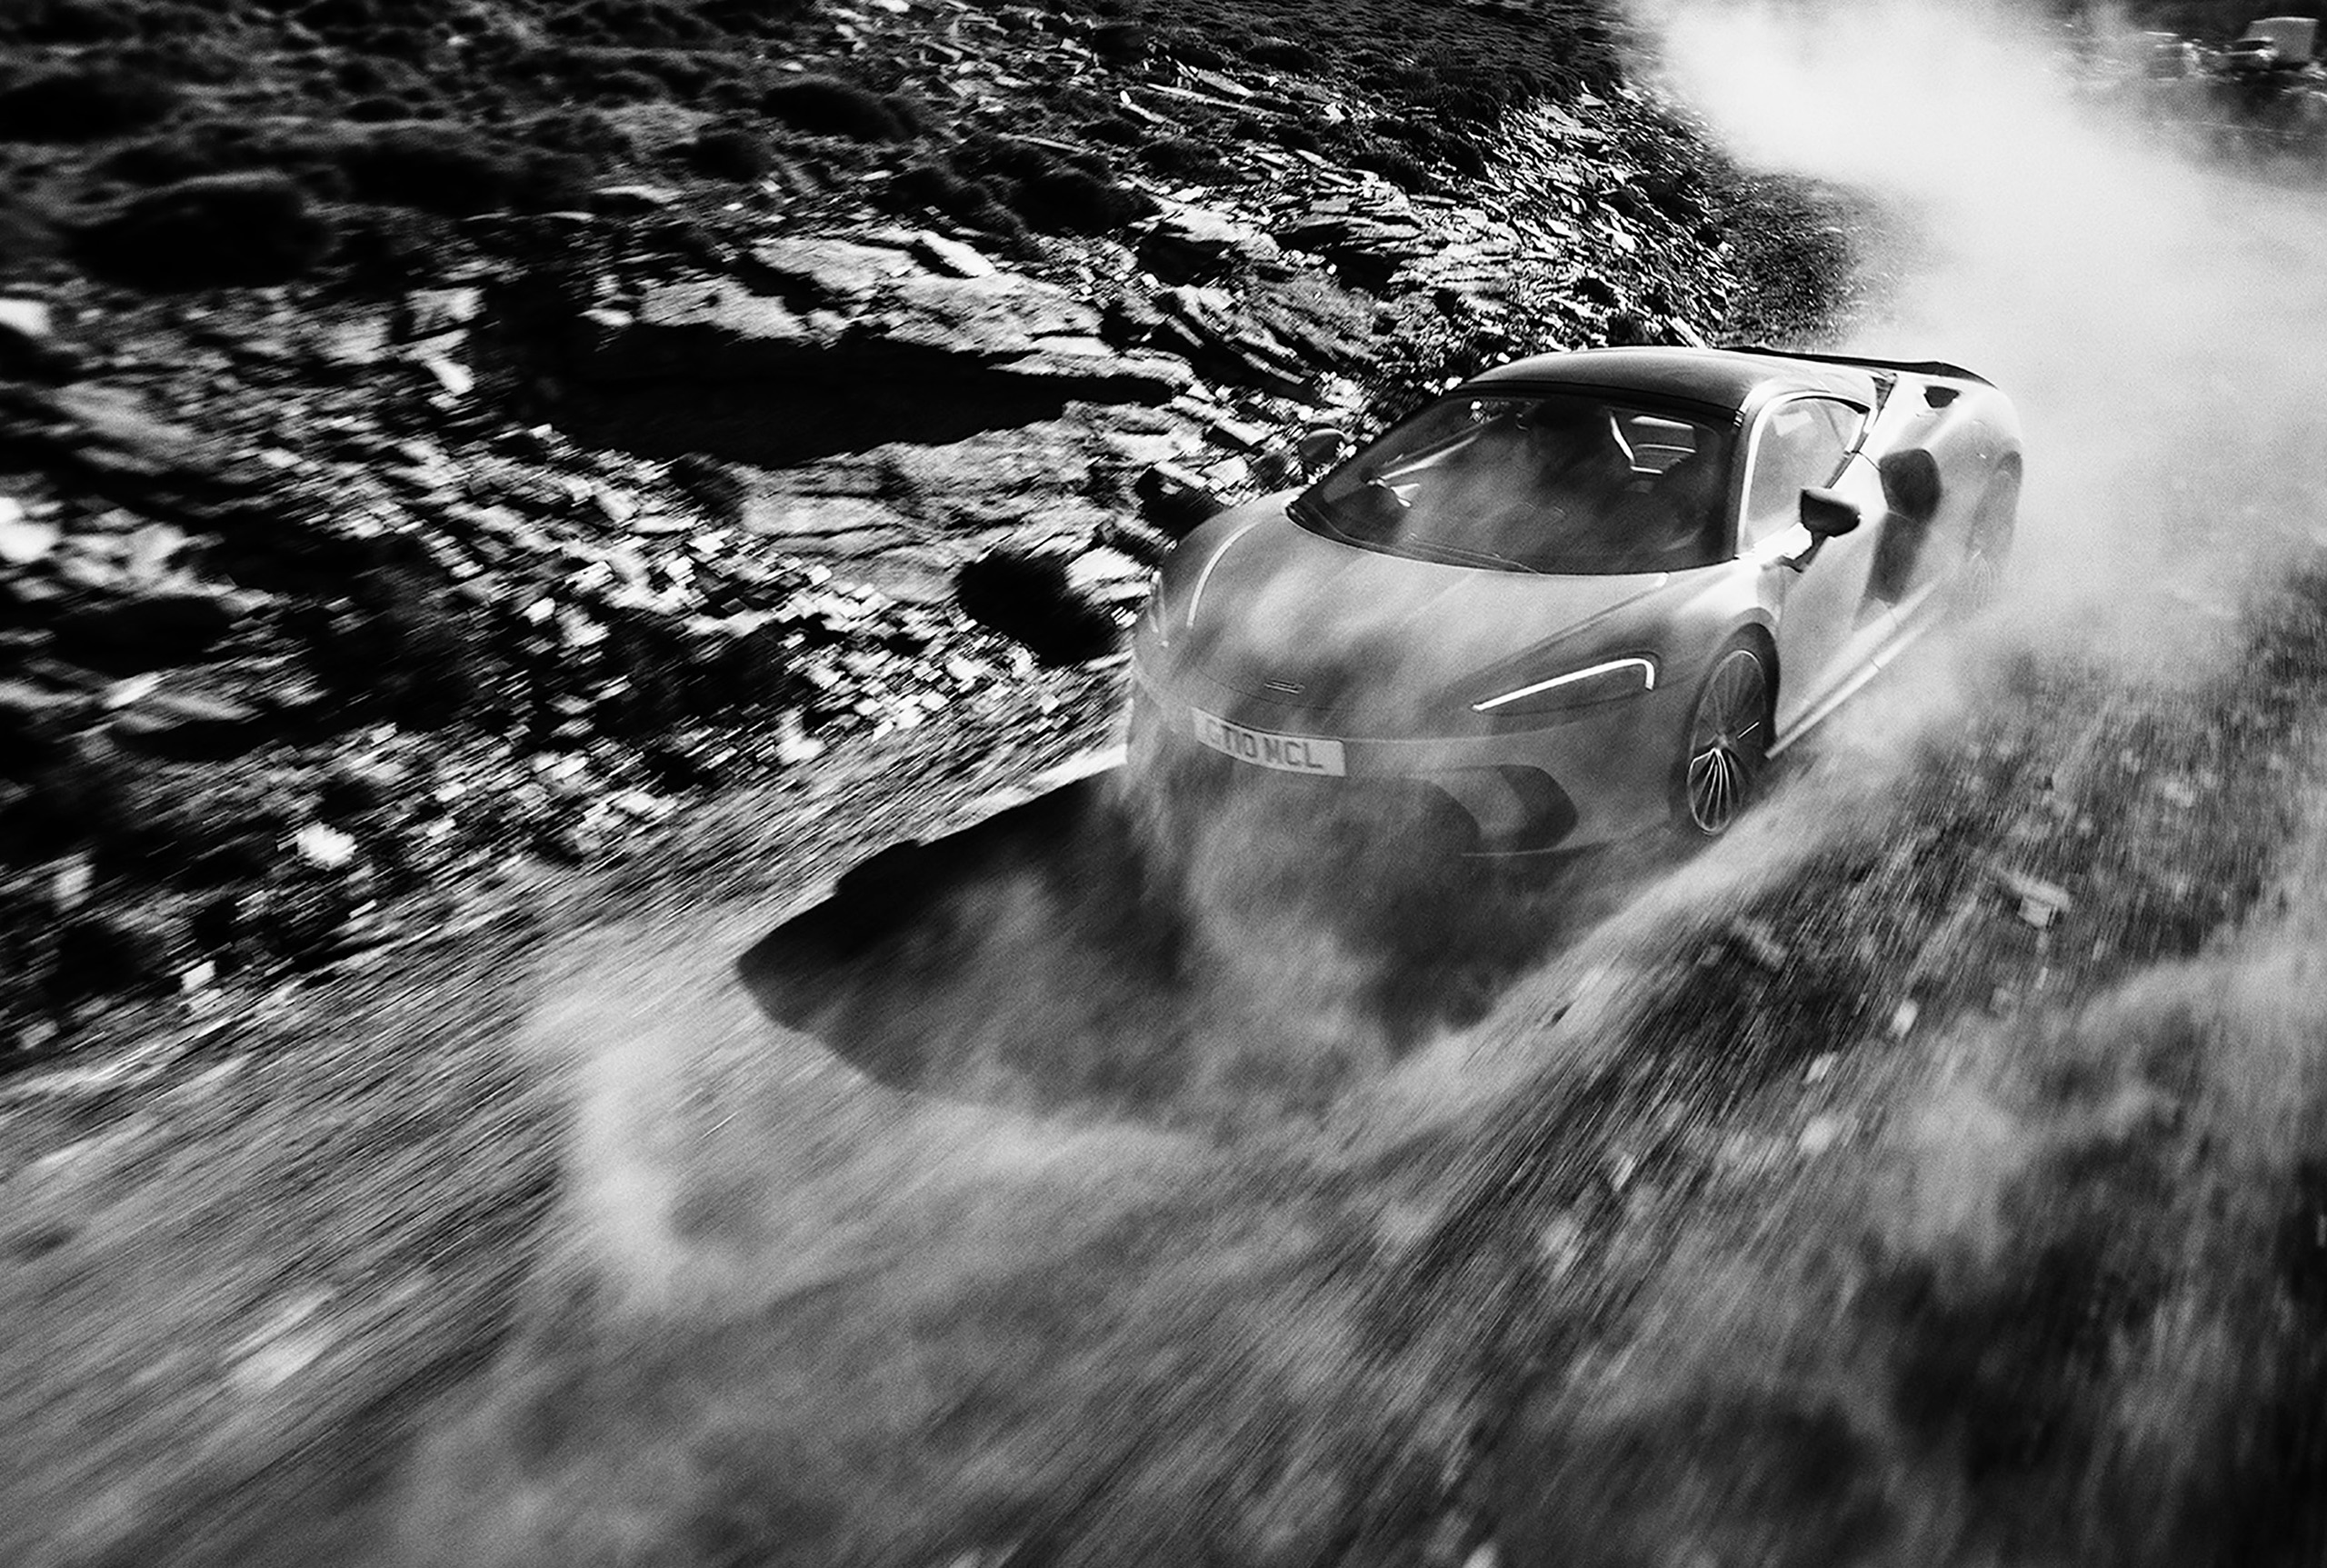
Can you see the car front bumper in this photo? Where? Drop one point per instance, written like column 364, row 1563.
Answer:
column 1562, row 781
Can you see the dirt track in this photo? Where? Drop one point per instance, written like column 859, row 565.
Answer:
column 1929, row 1173
column 1839, row 1205
column 1838, row 1198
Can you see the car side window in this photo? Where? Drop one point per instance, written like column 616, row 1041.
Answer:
column 1798, row 443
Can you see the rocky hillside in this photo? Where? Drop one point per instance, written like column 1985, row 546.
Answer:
column 434, row 436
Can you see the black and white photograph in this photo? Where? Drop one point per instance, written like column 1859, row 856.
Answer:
column 1162, row 783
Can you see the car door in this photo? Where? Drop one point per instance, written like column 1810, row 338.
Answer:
column 1828, row 625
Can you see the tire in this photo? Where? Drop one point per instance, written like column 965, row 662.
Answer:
column 1726, row 745
column 1987, row 550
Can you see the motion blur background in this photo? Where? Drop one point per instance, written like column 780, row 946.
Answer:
column 1812, row 1202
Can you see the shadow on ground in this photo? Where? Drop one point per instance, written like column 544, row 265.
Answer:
column 1046, row 959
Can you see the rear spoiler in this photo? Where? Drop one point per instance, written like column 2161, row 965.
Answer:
column 1915, row 367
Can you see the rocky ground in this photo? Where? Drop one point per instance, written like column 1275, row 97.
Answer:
column 502, row 504
column 447, row 453
column 431, row 440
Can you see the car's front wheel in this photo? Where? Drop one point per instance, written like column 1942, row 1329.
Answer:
column 1727, row 741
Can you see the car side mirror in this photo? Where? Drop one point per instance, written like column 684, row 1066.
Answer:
column 1826, row 515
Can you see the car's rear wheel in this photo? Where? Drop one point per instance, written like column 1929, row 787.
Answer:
column 1728, row 742
column 1988, row 547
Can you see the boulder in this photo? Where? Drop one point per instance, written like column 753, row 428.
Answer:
column 189, row 723
column 1192, row 245
column 1135, row 539
column 828, row 273
column 213, row 231
column 31, row 713
column 29, row 345
column 1215, row 335
column 950, row 257
column 24, row 540
column 125, row 633
column 25, row 321
column 115, row 428
column 996, row 318
column 1109, row 574
column 109, row 952
column 940, row 327
column 1366, row 248
column 720, row 367
column 1033, row 597
column 1174, row 501
column 428, row 313
column 733, row 659
column 304, row 912
column 633, row 200
column 715, row 329
column 1320, row 325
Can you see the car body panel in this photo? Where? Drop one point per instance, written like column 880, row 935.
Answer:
column 1288, row 615
column 1264, row 624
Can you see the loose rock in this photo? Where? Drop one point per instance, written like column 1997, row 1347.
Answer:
column 189, row 724
column 146, row 631
column 1034, row 599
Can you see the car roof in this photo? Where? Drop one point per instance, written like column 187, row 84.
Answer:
column 1722, row 378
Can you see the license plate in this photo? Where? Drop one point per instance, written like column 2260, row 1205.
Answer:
column 1286, row 754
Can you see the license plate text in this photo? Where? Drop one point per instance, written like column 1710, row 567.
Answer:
column 1286, row 754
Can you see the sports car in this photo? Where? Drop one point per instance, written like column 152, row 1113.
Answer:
column 1583, row 595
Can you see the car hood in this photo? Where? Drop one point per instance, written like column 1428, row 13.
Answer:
column 1271, row 610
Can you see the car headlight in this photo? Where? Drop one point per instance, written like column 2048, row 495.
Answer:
column 1604, row 682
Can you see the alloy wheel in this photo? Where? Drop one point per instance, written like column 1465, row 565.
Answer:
column 1728, row 737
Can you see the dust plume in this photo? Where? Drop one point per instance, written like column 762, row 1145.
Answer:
column 2047, row 1287
column 2143, row 306
column 1812, row 1202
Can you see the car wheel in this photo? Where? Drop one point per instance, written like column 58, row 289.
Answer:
column 1727, row 744
column 1988, row 547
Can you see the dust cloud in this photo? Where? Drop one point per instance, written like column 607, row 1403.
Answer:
column 2143, row 305
column 2060, row 1300
column 1586, row 1279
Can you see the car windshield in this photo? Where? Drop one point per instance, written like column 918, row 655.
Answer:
column 1567, row 483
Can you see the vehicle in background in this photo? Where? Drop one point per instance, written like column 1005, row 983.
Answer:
column 2274, row 43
